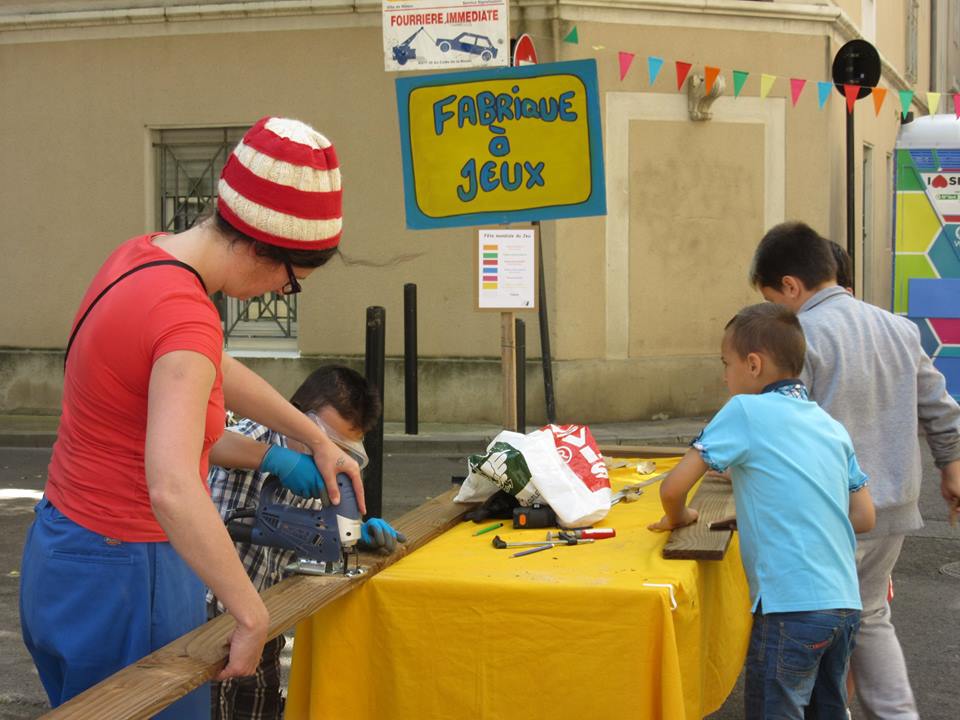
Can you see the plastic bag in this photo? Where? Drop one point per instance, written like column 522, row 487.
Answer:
column 536, row 468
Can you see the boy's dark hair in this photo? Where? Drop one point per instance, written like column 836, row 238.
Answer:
column 844, row 266
column 792, row 248
column 343, row 389
column 770, row 329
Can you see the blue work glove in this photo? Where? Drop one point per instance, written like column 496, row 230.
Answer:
column 297, row 471
column 376, row 533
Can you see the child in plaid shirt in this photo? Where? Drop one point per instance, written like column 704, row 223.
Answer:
column 340, row 401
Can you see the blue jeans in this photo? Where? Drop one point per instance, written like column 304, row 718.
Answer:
column 797, row 664
column 90, row 606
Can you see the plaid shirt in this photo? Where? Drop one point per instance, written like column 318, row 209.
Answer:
column 232, row 489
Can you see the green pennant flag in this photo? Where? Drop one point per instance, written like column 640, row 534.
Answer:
column 572, row 37
column 906, row 97
column 739, row 78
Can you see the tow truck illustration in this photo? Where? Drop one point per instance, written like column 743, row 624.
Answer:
column 470, row 43
column 403, row 51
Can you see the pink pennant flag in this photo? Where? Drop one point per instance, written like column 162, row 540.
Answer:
column 956, row 104
column 710, row 75
column 626, row 58
column 796, row 87
column 682, row 69
column 851, row 92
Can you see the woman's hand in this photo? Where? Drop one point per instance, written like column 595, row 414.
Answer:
column 689, row 517
column 332, row 460
column 246, row 645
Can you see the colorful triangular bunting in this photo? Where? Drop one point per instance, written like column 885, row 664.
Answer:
column 906, row 97
column 956, row 104
column 879, row 95
column 739, row 78
column 682, row 69
column 654, row 64
column 572, row 37
column 796, row 87
column 823, row 92
column 933, row 102
column 710, row 76
column 626, row 58
column 766, row 82
column 851, row 92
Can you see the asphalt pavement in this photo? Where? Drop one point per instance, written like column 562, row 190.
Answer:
column 926, row 608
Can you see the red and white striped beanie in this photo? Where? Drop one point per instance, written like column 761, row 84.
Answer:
column 281, row 185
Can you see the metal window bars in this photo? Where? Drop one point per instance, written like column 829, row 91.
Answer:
column 189, row 161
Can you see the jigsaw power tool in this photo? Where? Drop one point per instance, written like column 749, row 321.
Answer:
column 322, row 538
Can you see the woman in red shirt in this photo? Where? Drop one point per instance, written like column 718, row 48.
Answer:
column 126, row 536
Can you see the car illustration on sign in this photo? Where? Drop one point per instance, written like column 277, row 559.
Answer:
column 471, row 43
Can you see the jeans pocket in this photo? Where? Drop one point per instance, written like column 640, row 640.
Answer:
column 102, row 557
column 801, row 646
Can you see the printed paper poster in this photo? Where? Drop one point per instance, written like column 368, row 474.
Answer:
column 437, row 34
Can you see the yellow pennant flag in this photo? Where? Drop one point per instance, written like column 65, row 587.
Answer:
column 766, row 82
column 933, row 101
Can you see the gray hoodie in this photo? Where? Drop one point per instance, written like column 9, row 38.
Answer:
column 866, row 367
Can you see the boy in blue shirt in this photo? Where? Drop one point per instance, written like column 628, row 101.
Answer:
column 800, row 495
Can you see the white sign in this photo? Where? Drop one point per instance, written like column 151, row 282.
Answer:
column 435, row 34
column 507, row 269
column 943, row 189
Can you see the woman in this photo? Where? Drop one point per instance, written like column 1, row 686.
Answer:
column 126, row 536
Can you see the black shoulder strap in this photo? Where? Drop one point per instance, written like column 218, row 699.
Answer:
column 131, row 271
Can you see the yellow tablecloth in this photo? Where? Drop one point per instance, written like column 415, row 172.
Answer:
column 461, row 630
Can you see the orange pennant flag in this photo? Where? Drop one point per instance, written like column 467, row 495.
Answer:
column 710, row 74
column 879, row 95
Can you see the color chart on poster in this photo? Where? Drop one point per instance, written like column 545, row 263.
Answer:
column 507, row 269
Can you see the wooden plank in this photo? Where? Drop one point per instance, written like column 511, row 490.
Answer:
column 153, row 682
column 714, row 501
column 643, row 451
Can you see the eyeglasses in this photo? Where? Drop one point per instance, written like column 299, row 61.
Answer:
column 293, row 286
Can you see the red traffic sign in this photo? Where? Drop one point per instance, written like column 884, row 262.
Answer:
column 524, row 53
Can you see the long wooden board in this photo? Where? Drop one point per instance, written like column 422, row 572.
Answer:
column 153, row 682
column 714, row 501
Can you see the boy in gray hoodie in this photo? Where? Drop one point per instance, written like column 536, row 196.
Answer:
column 866, row 368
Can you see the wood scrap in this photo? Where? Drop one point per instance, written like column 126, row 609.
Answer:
column 714, row 501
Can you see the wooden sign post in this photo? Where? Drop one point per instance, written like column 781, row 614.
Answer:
column 507, row 282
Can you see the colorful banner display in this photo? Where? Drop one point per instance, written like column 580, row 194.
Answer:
column 435, row 34
column 498, row 146
column 768, row 82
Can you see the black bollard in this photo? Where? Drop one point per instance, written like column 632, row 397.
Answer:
column 373, row 440
column 521, row 353
column 410, row 401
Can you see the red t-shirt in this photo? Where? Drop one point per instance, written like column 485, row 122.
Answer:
column 96, row 475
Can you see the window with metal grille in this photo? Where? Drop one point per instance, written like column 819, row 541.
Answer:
column 189, row 161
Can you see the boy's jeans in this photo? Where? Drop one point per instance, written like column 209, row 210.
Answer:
column 797, row 664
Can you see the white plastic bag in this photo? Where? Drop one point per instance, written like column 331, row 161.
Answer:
column 530, row 467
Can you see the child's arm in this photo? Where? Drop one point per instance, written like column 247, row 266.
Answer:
column 674, row 489
column 862, row 514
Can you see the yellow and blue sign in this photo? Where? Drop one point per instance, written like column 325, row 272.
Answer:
column 501, row 145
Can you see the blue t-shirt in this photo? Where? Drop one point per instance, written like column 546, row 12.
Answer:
column 793, row 468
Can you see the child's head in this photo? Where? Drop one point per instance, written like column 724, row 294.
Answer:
column 345, row 405
column 792, row 260
column 762, row 344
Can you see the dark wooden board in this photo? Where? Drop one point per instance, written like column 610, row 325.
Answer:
column 714, row 501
